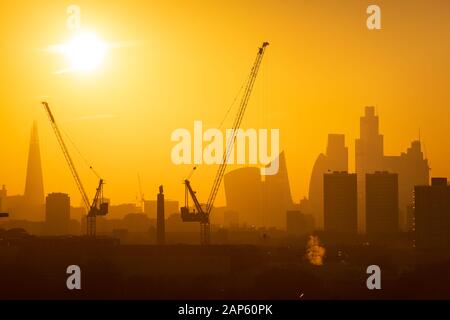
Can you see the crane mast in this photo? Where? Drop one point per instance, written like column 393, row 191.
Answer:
column 97, row 207
column 141, row 194
column 201, row 215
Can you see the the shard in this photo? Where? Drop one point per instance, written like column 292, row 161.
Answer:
column 34, row 186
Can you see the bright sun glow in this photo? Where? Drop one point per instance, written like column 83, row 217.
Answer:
column 85, row 52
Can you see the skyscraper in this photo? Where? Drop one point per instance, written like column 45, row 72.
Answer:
column 340, row 202
column 368, row 156
column 57, row 214
column 34, row 186
column 335, row 159
column 277, row 196
column 243, row 191
column 411, row 166
column 382, row 203
column 258, row 202
column 412, row 169
column 432, row 214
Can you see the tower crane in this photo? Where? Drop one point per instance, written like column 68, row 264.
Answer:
column 141, row 195
column 202, row 215
column 98, row 207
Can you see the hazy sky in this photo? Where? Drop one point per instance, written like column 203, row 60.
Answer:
column 186, row 62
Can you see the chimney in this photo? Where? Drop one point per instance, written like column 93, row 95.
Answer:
column 160, row 222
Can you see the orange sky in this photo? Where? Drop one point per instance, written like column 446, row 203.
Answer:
column 188, row 60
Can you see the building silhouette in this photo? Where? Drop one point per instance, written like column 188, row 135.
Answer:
column 256, row 201
column 3, row 194
column 368, row 156
column 335, row 159
column 34, row 186
column 381, row 191
column 243, row 192
column 298, row 223
column 432, row 214
column 231, row 219
column 411, row 166
column 170, row 207
column 160, row 218
column 277, row 197
column 340, row 202
column 57, row 214
column 410, row 219
column 412, row 169
column 30, row 205
column 118, row 211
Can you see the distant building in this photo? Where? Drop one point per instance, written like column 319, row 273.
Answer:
column 411, row 166
column 381, row 203
column 34, row 185
column 298, row 223
column 369, row 149
column 3, row 194
column 160, row 218
column 259, row 203
column 340, row 202
column 170, row 207
column 217, row 215
column 57, row 214
column 410, row 218
column 77, row 213
column 14, row 205
column 119, row 211
column 136, row 222
column 277, row 197
column 174, row 224
column 231, row 219
column 131, row 223
column 335, row 159
column 412, row 169
column 243, row 192
column 30, row 205
column 432, row 214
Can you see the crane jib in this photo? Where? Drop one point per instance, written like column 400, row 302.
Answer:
column 201, row 215
column 97, row 207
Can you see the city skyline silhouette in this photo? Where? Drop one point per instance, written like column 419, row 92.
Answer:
column 326, row 90
column 230, row 151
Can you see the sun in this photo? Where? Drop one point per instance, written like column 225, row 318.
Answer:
column 84, row 51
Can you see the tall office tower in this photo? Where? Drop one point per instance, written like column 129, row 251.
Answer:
column 335, row 159
column 340, row 202
column 432, row 214
column 57, row 214
column 243, row 192
column 368, row 157
column 382, row 203
column 277, row 196
column 337, row 152
column 34, row 186
column 160, row 218
column 412, row 169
